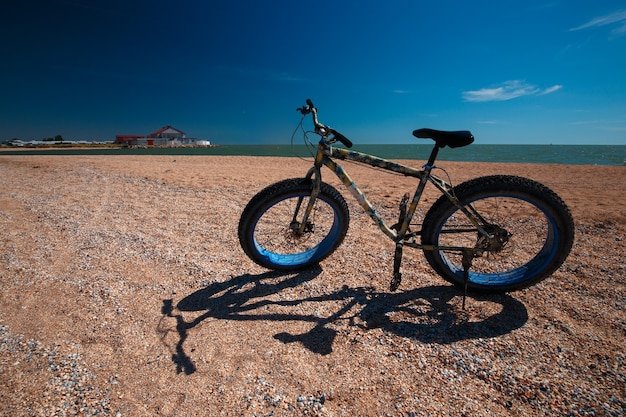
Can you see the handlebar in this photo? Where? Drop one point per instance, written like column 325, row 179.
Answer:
column 341, row 138
column 320, row 128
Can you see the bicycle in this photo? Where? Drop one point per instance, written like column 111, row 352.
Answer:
column 494, row 234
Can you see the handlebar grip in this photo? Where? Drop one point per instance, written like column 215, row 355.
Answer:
column 306, row 109
column 341, row 138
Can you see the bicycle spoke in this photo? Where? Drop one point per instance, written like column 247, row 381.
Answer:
column 277, row 231
column 526, row 225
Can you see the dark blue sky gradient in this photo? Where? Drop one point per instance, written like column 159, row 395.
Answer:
column 234, row 71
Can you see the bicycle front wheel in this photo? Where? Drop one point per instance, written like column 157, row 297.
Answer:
column 272, row 233
column 531, row 227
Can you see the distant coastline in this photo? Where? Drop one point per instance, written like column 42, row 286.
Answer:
column 535, row 154
column 43, row 145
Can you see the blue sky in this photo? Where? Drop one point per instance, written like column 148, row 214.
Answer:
column 234, row 71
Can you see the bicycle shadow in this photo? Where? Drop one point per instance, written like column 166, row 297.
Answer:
column 425, row 314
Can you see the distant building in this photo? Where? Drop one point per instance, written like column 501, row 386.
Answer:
column 126, row 139
column 166, row 136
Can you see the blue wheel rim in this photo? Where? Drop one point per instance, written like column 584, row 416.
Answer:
column 309, row 256
column 522, row 273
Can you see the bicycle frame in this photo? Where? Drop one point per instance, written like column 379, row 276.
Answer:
column 325, row 153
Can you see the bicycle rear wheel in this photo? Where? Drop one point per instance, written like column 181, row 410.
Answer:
column 532, row 227
column 269, row 225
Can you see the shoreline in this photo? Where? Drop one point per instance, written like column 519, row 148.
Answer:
column 602, row 155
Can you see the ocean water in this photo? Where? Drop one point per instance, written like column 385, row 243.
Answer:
column 536, row 154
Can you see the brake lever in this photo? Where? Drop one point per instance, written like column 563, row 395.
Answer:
column 304, row 110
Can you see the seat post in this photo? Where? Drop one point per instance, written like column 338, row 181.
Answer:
column 433, row 156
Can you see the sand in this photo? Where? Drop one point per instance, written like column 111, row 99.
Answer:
column 125, row 292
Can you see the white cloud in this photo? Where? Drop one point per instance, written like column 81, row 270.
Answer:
column 507, row 91
column 615, row 17
column 551, row 90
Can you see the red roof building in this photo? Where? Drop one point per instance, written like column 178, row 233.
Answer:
column 168, row 132
column 165, row 136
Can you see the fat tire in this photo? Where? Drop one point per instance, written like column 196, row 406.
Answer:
column 555, row 249
column 266, row 199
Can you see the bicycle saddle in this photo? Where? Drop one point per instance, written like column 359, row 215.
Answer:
column 445, row 138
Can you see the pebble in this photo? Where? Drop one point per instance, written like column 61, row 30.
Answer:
column 67, row 387
column 413, row 358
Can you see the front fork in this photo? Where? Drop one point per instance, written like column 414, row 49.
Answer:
column 301, row 227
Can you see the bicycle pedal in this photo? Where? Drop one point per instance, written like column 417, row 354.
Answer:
column 403, row 205
column 395, row 282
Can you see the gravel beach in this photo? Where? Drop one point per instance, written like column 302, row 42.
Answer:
column 124, row 292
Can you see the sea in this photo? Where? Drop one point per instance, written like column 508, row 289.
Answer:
column 535, row 154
